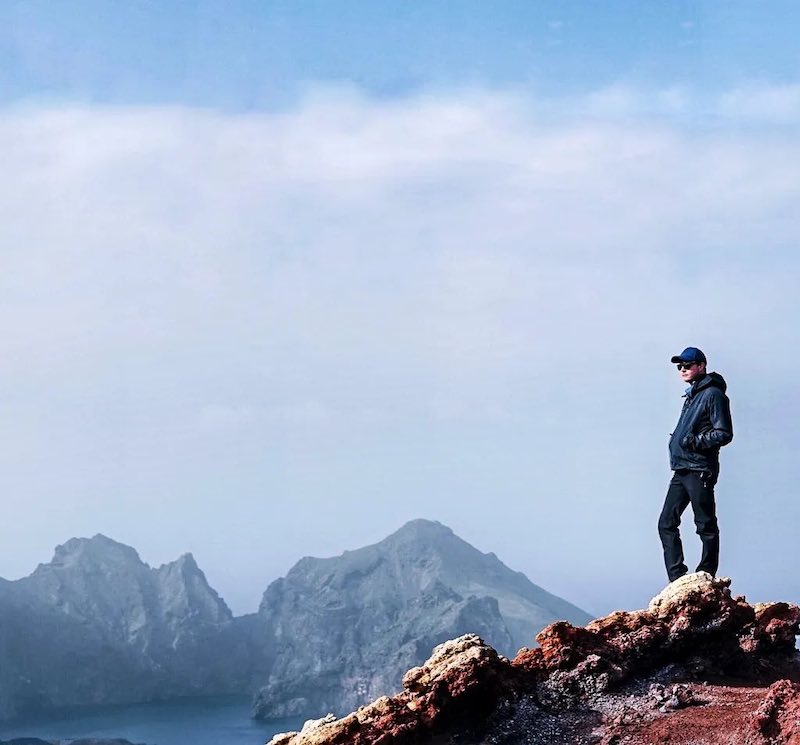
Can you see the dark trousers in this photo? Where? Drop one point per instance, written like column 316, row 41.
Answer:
column 697, row 488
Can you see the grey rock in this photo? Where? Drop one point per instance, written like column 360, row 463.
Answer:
column 345, row 629
column 97, row 625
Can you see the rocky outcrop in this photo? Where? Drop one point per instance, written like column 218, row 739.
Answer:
column 462, row 681
column 97, row 625
column 346, row 629
column 696, row 666
column 100, row 582
column 777, row 719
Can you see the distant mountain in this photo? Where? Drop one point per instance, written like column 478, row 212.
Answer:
column 98, row 625
column 345, row 629
column 101, row 582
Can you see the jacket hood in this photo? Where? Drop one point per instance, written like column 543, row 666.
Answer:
column 712, row 379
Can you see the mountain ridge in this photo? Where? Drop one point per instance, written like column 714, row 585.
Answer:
column 98, row 625
column 385, row 606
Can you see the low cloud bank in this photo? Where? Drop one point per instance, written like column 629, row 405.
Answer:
column 389, row 309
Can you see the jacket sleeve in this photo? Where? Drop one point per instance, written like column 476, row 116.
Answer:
column 721, row 432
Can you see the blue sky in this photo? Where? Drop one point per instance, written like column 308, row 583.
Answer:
column 259, row 54
column 276, row 278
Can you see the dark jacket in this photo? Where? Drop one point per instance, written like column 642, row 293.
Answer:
column 703, row 427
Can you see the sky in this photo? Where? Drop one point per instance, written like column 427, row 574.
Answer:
column 278, row 277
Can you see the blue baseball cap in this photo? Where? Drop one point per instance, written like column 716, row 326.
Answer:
column 690, row 354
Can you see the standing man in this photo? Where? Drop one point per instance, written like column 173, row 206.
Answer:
column 703, row 428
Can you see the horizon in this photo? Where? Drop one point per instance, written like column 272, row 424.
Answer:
column 278, row 278
column 267, row 582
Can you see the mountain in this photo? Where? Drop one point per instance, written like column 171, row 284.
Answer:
column 97, row 625
column 346, row 628
column 698, row 667
column 101, row 582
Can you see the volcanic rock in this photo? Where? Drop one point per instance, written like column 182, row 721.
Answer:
column 695, row 667
column 777, row 719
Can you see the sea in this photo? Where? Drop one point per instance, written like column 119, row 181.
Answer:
column 221, row 720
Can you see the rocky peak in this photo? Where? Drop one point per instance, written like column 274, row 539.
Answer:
column 185, row 595
column 105, row 584
column 421, row 531
column 413, row 561
column 94, row 580
column 85, row 552
column 347, row 627
column 186, row 562
column 183, row 571
column 699, row 665
column 98, row 625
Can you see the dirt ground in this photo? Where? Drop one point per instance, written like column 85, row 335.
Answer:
column 719, row 715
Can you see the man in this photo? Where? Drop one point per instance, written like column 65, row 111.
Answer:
column 703, row 428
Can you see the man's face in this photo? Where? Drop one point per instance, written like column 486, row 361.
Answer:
column 690, row 371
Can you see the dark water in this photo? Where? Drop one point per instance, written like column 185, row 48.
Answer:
column 198, row 721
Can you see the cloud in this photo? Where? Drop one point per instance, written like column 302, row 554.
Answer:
column 412, row 298
column 747, row 106
column 224, row 418
column 777, row 104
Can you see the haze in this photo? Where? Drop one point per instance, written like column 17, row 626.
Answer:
column 276, row 279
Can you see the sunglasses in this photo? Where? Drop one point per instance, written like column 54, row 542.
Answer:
column 686, row 365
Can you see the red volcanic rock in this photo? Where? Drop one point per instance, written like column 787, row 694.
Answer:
column 463, row 677
column 694, row 621
column 716, row 715
column 630, row 677
column 463, row 680
column 777, row 720
column 774, row 629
